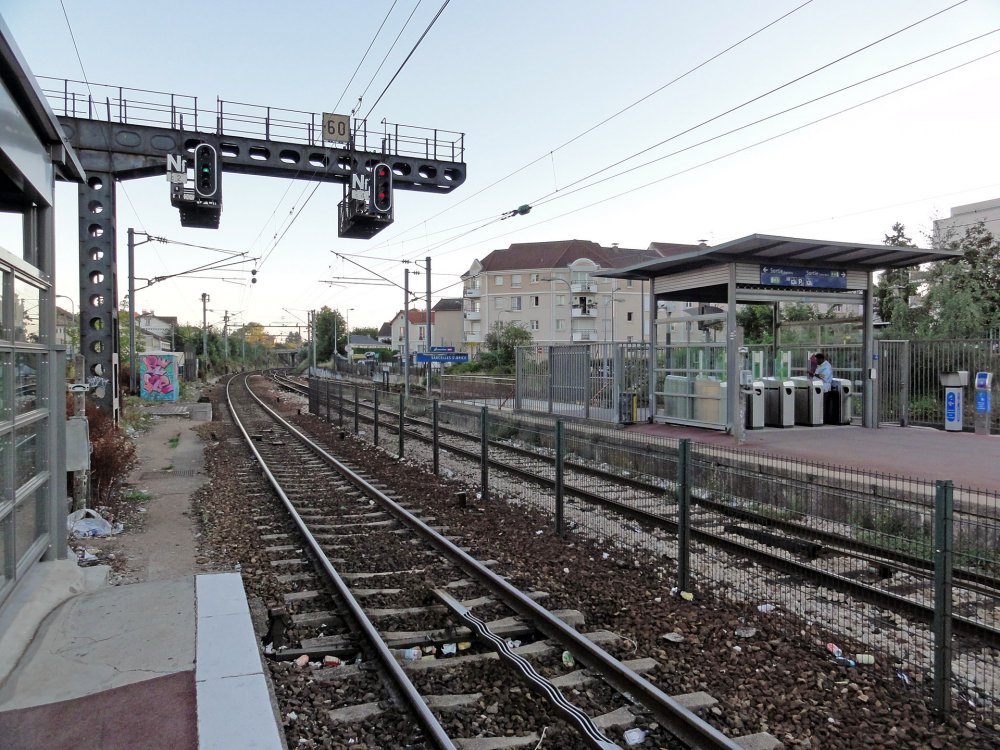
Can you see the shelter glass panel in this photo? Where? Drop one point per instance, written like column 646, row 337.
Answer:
column 27, row 367
column 27, row 309
column 28, row 522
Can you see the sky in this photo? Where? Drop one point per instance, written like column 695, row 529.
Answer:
column 811, row 127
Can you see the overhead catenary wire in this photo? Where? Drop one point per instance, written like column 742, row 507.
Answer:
column 759, row 97
column 611, row 117
column 549, row 197
column 630, row 190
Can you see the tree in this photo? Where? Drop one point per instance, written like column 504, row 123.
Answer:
column 894, row 288
column 327, row 321
column 501, row 344
column 756, row 321
column 963, row 293
column 370, row 331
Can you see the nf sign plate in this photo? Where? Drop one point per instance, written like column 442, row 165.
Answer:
column 336, row 128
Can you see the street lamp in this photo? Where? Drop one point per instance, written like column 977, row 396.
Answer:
column 347, row 333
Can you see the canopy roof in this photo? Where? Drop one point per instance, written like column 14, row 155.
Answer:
column 765, row 248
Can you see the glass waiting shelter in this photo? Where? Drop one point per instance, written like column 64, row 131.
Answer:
column 697, row 354
column 33, row 496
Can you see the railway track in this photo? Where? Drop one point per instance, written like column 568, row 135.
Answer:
column 418, row 635
column 819, row 551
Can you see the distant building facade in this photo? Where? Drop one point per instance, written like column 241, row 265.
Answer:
column 549, row 288
column 963, row 217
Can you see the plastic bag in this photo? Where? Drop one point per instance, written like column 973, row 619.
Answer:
column 88, row 522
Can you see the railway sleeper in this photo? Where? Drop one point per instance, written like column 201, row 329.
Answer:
column 506, row 627
column 810, row 550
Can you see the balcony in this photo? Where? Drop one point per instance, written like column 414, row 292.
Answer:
column 473, row 291
column 587, row 335
column 584, row 312
column 473, row 315
column 472, row 337
column 584, row 287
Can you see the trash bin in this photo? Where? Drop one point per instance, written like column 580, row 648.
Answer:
column 779, row 402
column 755, row 406
column 627, row 406
column 808, row 401
column 837, row 402
column 954, row 382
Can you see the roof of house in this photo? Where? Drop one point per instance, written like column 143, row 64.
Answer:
column 386, row 329
column 448, row 304
column 418, row 317
column 363, row 340
column 561, row 253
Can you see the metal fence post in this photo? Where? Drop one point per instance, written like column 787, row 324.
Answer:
column 434, row 434
column 484, row 453
column 683, row 513
column 402, row 412
column 943, row 528
column 327, row 400
column 550, row 382
column 355, row 410
column 375, row 423
column 340, row 402
column 560, row 486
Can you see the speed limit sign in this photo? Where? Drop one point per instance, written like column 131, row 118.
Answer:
column 336, row 128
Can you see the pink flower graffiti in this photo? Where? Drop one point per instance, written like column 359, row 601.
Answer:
column 156, row 380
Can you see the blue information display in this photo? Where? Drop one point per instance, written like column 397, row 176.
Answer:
column 950, row 406
column 983, row 402
column 810, row 278
column 424, row 358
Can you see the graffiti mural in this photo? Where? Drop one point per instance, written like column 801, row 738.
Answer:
column 159, row 377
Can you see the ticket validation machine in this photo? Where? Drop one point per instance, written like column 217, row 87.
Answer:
column 954, row 383
column 984, row 399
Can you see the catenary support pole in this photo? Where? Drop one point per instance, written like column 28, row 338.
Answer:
column 132, row 373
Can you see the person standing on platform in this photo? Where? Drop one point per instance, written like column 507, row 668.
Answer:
column 812, row 365
column 824, row 371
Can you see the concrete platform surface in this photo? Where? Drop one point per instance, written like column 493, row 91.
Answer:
column 970, row 461
column 163, row 664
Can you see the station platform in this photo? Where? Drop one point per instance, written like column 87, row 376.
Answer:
column 969, row 460
column 165, row 664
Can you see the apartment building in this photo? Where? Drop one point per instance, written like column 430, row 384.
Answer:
column 963, row 217
column 549, row 288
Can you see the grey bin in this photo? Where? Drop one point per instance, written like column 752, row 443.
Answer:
column 837, row 403
column 779, row 402
column 755, row 406
column 808, row 401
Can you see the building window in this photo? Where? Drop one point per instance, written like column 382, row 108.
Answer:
column 515, row 303
column 498, row 281
column 534, row 325
column 420, row 335
column 535, row 277
column 628, row 283
column 499, row 303
column 515, row 280
column 629, row 317
column 560, row 325
column 535, row 301
column 560, row 299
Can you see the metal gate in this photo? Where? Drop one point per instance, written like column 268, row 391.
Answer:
column 893, row 388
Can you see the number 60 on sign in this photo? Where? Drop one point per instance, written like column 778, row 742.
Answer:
column 336, row 128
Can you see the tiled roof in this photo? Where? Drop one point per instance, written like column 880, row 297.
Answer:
column 562, row 253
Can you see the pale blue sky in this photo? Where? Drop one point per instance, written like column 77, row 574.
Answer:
column 520, row 79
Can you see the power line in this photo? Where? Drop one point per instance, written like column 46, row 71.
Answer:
column 403, row 64
column 750, row 101
column 631, row 190
column 563, row 194
column 610, row 118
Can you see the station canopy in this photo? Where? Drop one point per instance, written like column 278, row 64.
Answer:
column 768, row 251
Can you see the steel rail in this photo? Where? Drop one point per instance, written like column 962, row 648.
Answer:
column 678, row 720
column 425, row 716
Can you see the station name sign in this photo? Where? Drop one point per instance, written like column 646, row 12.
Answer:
column 809, row 278
column 424, row 358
